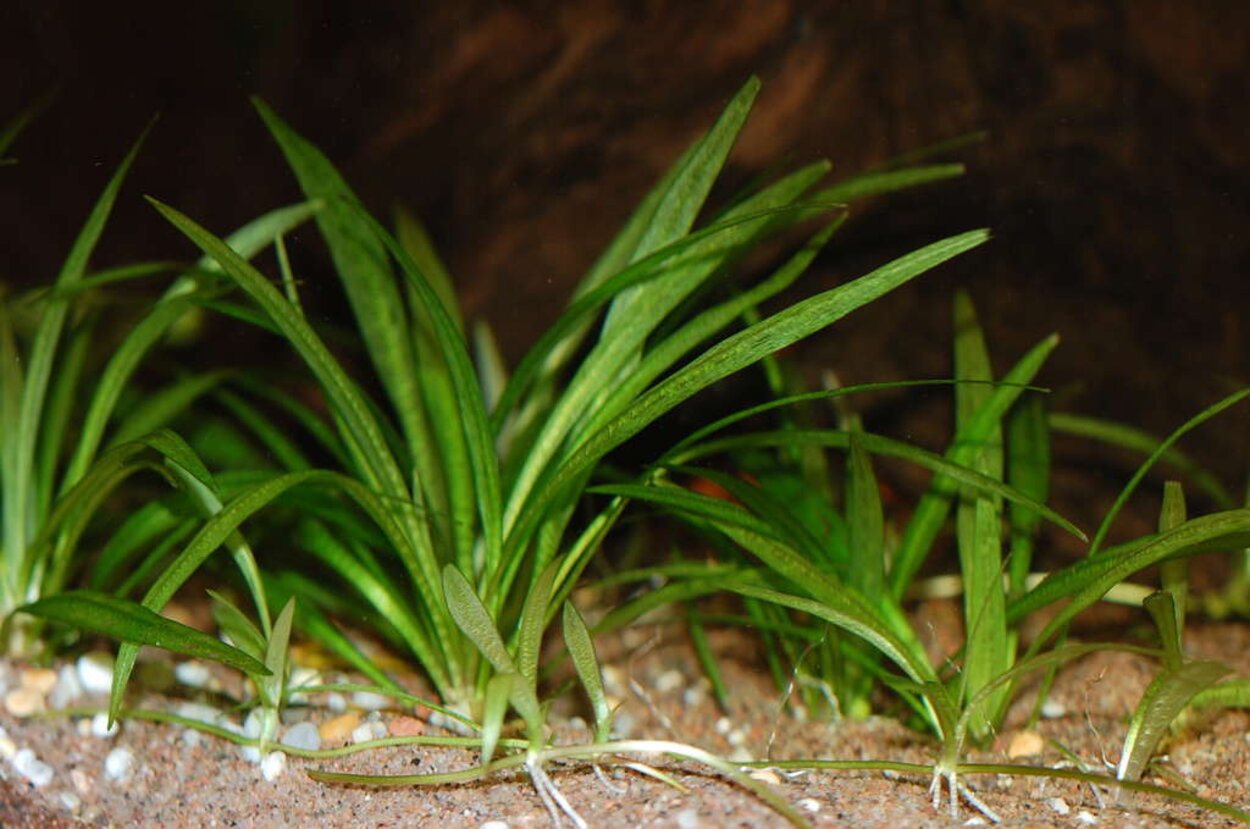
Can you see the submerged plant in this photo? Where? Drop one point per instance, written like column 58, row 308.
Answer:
column 463, row 466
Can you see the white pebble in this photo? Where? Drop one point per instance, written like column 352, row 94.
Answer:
column 670, row 680
column 68, row 689
column 1053, row 709
column 975, row 820
column 1085, row 817
column 70, row 801
column 495, row 824
column 369, row 701
column 100, row 726
column 273, row 765
column 740, row 755
column 693, row 697
column 95, row 672
column 191, row 738
column 688, row 819
column 336, row 702
column 809, row 804
column 723, row 725
column 32, row 768
column 765, row 776
column 8, row 748
column 23, row 702
column 736, row 737
column 193, row 674
column 364, row 732
column 119, row 765
column 1059, row 805
column 303, row 735
column 82, row 783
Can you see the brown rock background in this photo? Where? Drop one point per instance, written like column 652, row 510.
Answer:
column 1114, row 175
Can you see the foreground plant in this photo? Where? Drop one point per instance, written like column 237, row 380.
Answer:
column 462, row 466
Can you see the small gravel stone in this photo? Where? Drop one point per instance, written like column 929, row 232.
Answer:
column 100, row 726
column 765, row 776
column 368, row 731
column 1086, row 817
column 95, row 672
column 369, row 701
column 81, row 782
column 8, row 748
column 193, row 674
column 67, row 690
column 336, row 701
column 40, row 680
column 1025, row 744
column 1053, row 709
column 339, row 728
column 495, row 824
column 24, row 701
column 736, row 737
column 1059, row 805
column 32, row 768
column 119, row 765
column 809, row 804
column 273, row 765
column 303, row 735
column 670, row 680
column 688, row 819
column 70, row 801
column 723, row 725
column 741, row 755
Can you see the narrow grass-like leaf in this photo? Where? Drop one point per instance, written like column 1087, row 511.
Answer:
column 865, row 522
column 930, row 514
column 582, row 650
column 1162, row 449
column 888, row 181
column 494, row 706
column 22, row 515
column 237, row 627
column 1129, row 437
column 743, row 349
column 1086, row 581
column 473, row 619
column 131, row 622
column 533, row 623
column 1174, row 575
column 1028, row 470
column 1163, row 700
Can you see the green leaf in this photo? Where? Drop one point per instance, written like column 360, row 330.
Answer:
column 494, row 707
column 234, row 624
column 1170, row 692
column 473, row 619
column 582, row 651
column 131, row 622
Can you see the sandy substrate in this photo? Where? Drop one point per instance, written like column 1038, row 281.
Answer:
column 180, row 781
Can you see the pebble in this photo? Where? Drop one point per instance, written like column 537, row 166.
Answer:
column 100, row 726
column 369, row 701
column 670, row 680
column 723, row 725
column 736, row 737
column 688, row 819
column 1085, row 817
column 68, row 689
column 70, row 801
column 24, row 701
column 193, row 674
column 495, row 824
column 8, row 748
column 1053, row 709
column 39, row 680
column 95, row 672
column 339, row 728
column 765, row 776
column 273, row 765
column 336, row 701
column 741, row 755
column 809, row 804
column 32, row 768
column 1059, row 805
column 368, row 731
column 1025, row 744
column 81, row 782
column 303, row 735
column 119, row 765
column 405, row 727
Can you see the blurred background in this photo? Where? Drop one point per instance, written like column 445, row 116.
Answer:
column 1114, row 172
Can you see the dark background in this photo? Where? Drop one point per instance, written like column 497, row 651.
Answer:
column 1114, row 175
